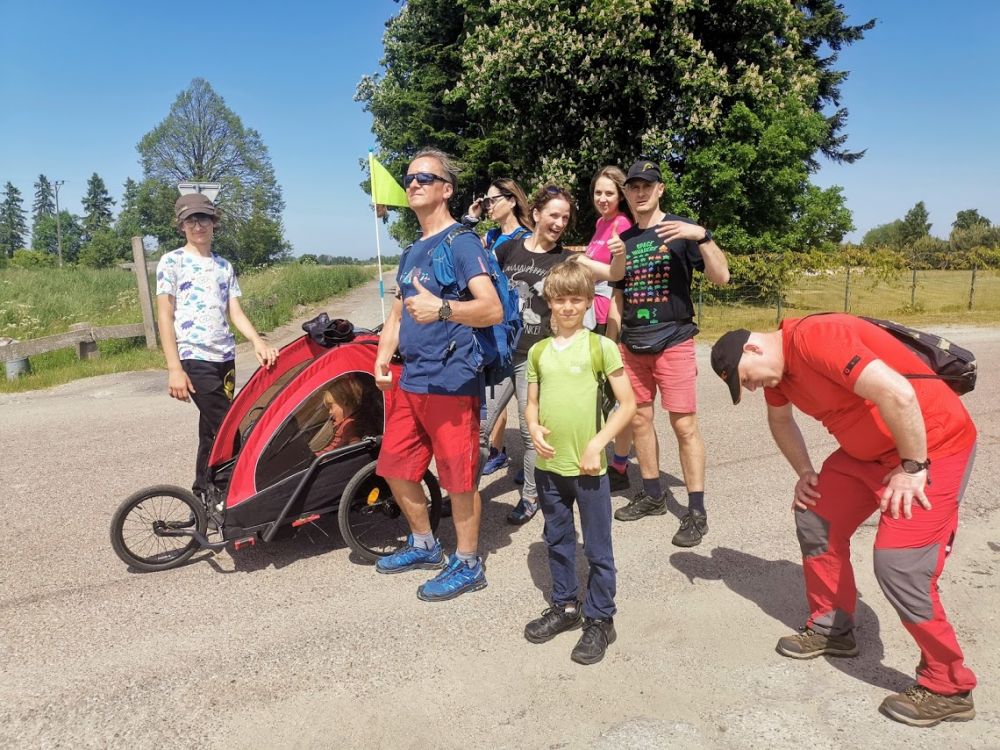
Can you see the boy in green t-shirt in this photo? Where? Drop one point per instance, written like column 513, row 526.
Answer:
column 565, row 378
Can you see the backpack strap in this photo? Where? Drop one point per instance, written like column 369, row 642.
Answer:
column 535, row 355
column 443, row 261
column 597, row 363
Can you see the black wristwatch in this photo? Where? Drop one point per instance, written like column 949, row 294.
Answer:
column 914, row 467
column 706, row 238
column 444, row 312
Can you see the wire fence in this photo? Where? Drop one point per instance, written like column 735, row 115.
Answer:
column 899, row 294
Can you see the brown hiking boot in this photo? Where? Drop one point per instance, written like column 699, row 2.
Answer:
column 920, row 707
column 808, row 644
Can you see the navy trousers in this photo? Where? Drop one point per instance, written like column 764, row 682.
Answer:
column 556, row 495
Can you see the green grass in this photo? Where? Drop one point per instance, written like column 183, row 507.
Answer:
column 41, row 302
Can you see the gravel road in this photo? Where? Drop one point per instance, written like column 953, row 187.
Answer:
column 294, row 645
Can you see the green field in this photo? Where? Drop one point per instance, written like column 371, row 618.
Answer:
column 41, row 302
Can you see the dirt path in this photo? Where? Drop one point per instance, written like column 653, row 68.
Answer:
column 294, row 645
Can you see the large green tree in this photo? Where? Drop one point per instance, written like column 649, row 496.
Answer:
column 45, row 200
column 916, row 224
column 97, row 205
column 203, row 140
column 736, row 98
column 13, row 225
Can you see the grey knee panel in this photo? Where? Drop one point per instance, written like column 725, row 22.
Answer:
column 905, row 577
column 813, row 532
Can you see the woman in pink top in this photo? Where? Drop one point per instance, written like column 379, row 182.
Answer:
column 614, row 217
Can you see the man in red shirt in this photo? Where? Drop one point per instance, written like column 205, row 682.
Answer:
column 906, row 450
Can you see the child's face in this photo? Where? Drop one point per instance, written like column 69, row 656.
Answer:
column 337, row 411
column 568, row 311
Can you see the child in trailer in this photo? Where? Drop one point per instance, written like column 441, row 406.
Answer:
column 566, row 373
column 345, row 399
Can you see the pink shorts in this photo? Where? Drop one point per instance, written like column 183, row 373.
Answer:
column 673, row 371
column 420, row 426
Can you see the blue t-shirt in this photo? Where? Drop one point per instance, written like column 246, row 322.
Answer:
column 438, row 356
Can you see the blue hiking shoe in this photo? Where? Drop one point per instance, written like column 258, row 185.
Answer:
column 453, row 581
column 523, row 512
column 496, row 462
column 412, row 558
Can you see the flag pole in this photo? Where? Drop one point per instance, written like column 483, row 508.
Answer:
column 378, row 241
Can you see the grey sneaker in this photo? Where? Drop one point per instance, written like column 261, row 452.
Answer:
column 694, row 525
column 641, row 505
column 920, row 707
column 808, row 644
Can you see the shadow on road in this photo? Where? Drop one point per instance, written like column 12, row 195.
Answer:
column 776, row 587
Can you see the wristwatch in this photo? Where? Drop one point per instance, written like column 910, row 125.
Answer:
column 706, row 238
column 913, row 467
column 444, row 312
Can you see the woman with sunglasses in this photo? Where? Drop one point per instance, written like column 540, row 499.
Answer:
column 506, row 204
column 527, row 261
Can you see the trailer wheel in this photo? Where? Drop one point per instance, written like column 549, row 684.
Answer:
column 139, row 523
column 371, row 521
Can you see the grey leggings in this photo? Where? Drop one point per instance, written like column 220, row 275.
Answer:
column 519, row 385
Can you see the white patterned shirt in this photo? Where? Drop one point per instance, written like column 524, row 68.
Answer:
column 201, row 288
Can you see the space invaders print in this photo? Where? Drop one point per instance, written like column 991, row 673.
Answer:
column 648, row 270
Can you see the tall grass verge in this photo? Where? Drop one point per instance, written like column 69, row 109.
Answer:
column 41, row 302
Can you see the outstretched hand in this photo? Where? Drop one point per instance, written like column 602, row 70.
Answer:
column 679, row 230
column 422, row 306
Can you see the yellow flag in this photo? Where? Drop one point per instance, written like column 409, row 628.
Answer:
column 385, row 190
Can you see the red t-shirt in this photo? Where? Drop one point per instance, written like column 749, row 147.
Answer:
column 825, row 355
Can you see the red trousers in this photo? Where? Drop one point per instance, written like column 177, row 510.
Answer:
column 909, row 556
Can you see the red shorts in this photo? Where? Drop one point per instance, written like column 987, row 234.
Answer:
column 420, row 426
column 673, row 371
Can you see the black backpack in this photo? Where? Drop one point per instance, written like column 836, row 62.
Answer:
column 950, row 362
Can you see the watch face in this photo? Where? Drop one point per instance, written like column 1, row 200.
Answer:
column 912, row 467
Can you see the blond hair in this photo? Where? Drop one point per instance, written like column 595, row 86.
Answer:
column 568, row 279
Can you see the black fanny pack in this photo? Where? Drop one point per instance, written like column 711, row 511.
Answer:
column 655, row 338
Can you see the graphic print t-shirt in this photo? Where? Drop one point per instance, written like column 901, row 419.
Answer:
column 657, row 283
column 527, row 271
column 201, row 288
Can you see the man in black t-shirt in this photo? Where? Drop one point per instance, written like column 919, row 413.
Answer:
column 652, row 310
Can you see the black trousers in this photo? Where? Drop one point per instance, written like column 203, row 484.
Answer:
column 214, row 385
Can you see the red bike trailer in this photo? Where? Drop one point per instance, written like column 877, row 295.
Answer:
column 265, row 475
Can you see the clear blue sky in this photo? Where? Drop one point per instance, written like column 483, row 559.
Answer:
column 82, row 82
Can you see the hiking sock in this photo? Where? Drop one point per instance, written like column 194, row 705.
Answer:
column 651, row 487
column 423, row 541
column 696, row 501
column 469, row 558
column 619, row 463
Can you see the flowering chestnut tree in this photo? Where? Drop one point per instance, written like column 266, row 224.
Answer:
column 737, row 99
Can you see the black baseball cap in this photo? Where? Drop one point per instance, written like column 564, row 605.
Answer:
column 726, row 355
column 644, row 169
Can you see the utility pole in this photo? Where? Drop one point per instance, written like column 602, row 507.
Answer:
column 55, row 185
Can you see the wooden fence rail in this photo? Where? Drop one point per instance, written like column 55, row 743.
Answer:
column 82, row 335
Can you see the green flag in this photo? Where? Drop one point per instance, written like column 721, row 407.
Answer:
column 385, row 190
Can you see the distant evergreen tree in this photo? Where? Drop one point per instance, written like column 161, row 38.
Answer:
column 45, row 200
column 13, row 224
column 96, row 207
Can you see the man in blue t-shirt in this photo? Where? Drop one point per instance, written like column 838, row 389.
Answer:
column 434, row 412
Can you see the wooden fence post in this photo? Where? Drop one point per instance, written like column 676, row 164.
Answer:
column 85, row 349
column 145, row 300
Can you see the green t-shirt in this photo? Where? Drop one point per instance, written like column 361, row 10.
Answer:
column 567, row 399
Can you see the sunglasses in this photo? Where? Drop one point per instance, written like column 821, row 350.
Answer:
column 488, row 200
column 422, row 178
